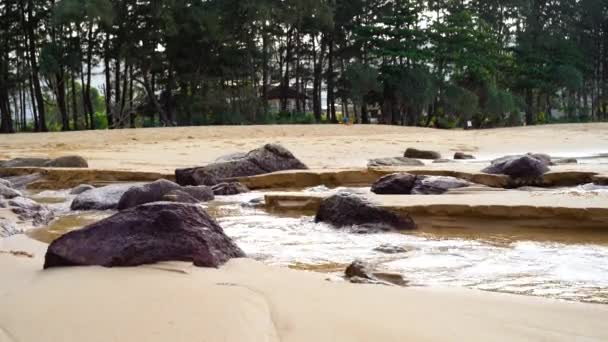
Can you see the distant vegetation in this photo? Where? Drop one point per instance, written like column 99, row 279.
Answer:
column 191, row 62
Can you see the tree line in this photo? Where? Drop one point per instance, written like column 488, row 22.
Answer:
column 441, row 63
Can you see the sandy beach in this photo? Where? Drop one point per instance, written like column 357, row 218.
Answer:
column 318, row 146
column 247, row 300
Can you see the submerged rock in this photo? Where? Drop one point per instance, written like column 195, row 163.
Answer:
column 27, row 209
column 396, row 161
column 7, row 192
column 463, row 156
column 390, row 249
column 395, row 184
column 227, row 189
column 421, row 154
column 347, row 210
column 407, row 184
column 524, row 167
column 103, row 198
column 146, row 234
column 81, row 188
column 266, row 159
column 61, row 162
column 146, row 193
column 359, row 272
column 437, row 185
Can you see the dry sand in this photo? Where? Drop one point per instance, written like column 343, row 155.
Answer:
column 319, row 146
column 248, row 301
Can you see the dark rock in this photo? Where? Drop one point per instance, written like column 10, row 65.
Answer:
column 67, row 161
column 27, row 209
column 346, row 210
column 179, row 196
column 395, row 184
column 266, row 159
column 6, row 192
column 525, row 167
column 20, row 182
column 421, row 154
column 146, row 234
column 463, row 156
column 359, row 272
column 437, row 185
column 397, row 161
column 202, row 193
column 227, row 189
column 390, row 249
column 103, row 198
column 146, row 193
column 81, row 188
column 566, row 161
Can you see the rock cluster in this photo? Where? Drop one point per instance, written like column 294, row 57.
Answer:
column 61, row 162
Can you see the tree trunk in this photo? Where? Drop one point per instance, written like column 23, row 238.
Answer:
column 60, row 88
column 331, row 101
column 108, row 84
column 74, row 103
column 34, row 67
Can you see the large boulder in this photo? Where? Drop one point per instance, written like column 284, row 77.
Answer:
column 407, row 184
column 396, row 161
column 146, row 193
column 179, row 196
column 7, row 192
column 519, row 167
column 437, row 185
column 266, row 159
column 231, row 188
column 421, row 154
column 202, row 193
column 103, row 198
column 348, row 210
column 395, row 184
column 66, row 161
column 146, row 234
column 463, row 156
column 29, row 210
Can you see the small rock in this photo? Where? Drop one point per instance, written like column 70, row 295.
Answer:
column 6, row 183
column 347, row 210
column 27, row 209
column 437, row 185
column 146, row 234
column 359, row 272
column 68, row 161
column 146, row 193
column 20, row 182
column 525, row 167
column 359, row 269
column 227, row 189
column 421, row 154
column 463, row 156
column 396, row 161
column 8, row 228
column 6, row 192
column 394, row 184
column 390, row 249
column 81, row 188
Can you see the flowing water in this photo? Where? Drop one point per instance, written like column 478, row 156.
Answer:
column 563, row 264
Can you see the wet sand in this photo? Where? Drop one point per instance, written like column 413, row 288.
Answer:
column 319, row 146
column 248, row 301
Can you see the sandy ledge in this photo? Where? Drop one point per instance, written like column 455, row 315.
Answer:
column 248, row 301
